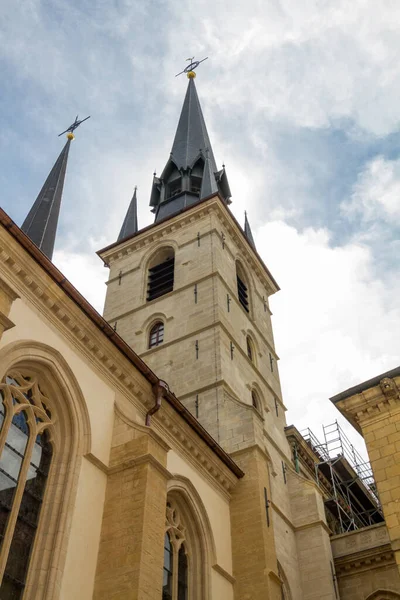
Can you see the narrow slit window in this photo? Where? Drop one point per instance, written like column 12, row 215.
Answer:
column 250, row 349
column 255, row 401
column 243, row 294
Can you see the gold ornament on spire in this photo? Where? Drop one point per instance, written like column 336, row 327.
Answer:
column 189, row 70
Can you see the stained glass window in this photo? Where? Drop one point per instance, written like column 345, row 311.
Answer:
column 175, row 583
column 168, row 566
column 182, row 573
column 24, row 466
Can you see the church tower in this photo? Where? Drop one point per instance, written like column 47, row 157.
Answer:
column 190, row 294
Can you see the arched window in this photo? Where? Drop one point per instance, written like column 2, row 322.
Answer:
column 156, row 335
column 242, row 288
column 255, row 400
column 250, row 349
column 161, row 274
column 285, row 591
column 175, row 578
column 25, row 458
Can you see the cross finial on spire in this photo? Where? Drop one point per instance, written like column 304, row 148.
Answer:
column 193, row 64
column 71, row 128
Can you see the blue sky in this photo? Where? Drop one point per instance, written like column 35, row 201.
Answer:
column 301, row 103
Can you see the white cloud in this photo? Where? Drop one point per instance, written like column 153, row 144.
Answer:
column 86, row 273
column 336, row 323
column 376, row 193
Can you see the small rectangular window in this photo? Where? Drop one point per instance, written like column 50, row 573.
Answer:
column 161, row 279
column 174, row 188
column 195, row 184
column 242, row 294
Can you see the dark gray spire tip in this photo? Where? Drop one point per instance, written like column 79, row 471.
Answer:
column 130, row 224
column 247, row 231
column 41, row 222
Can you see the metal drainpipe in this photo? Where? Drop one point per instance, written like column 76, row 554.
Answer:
column 159, row 389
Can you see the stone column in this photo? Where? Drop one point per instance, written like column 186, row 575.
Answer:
column 374, row 409
column 254, row 558
column 131, row 553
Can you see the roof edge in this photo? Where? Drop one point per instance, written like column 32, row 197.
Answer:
column 362, row 387
column 184, row 210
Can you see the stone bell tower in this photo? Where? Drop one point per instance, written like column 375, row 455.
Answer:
column 190, row 295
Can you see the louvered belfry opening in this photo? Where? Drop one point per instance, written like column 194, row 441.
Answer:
column 243, row 294
column 161, row 278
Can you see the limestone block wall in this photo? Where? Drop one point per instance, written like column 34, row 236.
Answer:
column 205, row 338
column 312, row 539
column 374, row 407
column 253, row 537
column 364, row 563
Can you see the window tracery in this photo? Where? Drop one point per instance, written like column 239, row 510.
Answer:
column 175, row 579
column 25, row 458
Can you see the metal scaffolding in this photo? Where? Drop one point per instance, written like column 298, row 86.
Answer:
column 351, row 497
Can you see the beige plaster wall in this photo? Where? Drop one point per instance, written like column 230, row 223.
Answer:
column 80, row 567
column 215, row 504
column 30, row 325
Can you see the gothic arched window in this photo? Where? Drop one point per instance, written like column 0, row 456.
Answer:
column 25, row 458
column 156, row 335
column 161, row 274
column 175, row 578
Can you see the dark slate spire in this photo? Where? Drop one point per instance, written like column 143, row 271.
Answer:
column 130, row 224
column 190, row 173
column 41, row 223
column 247, row 231
column 191, row 138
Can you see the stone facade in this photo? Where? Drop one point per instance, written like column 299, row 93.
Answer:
column 204, row 357
column 213, row 469
column 374, row 409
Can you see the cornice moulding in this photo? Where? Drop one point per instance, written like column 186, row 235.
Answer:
column 196, row 212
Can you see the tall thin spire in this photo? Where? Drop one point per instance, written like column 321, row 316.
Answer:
column 247, row 231
column 191, row 173
column 41, row 223
column 191, row 137
column 130, row 224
